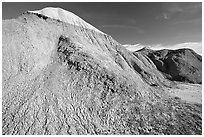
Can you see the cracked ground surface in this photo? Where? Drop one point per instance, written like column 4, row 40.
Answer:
column 63, row 79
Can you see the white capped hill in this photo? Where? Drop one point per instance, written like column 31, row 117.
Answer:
column 65, row 16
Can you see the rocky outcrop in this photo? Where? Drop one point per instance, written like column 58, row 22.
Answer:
column 60, row 78
column 180, row 65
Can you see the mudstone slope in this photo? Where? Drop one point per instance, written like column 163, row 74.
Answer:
column 60, row 78
column 183, row 65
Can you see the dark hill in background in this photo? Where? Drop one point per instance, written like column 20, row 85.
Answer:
column 180, row 65
column 60, row 78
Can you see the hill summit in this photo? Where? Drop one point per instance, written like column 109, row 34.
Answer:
column 64, row 16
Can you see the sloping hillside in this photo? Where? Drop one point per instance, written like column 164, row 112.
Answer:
column 180, row 65
column 60, row 78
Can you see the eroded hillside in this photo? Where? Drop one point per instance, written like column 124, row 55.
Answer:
column 60, row 78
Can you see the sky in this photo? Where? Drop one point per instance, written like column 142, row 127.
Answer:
column 147, row 23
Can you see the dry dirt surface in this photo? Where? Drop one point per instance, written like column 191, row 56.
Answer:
column 62, row 79
column 191, row 93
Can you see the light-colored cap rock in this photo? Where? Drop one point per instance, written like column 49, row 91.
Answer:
column 65, row 16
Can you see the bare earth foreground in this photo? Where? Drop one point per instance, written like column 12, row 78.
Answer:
column 191, row 93
column 62, row 78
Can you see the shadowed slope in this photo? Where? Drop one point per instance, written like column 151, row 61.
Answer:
column 180, row 65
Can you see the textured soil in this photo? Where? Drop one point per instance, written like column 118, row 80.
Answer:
column 191, row 93
column 63, row 79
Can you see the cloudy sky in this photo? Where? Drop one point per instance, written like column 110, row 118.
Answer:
column 160, row 24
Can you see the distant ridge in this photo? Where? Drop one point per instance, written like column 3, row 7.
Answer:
column 181, row 65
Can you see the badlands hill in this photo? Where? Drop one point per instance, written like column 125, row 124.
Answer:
column 180, row 65
column 61, row 75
